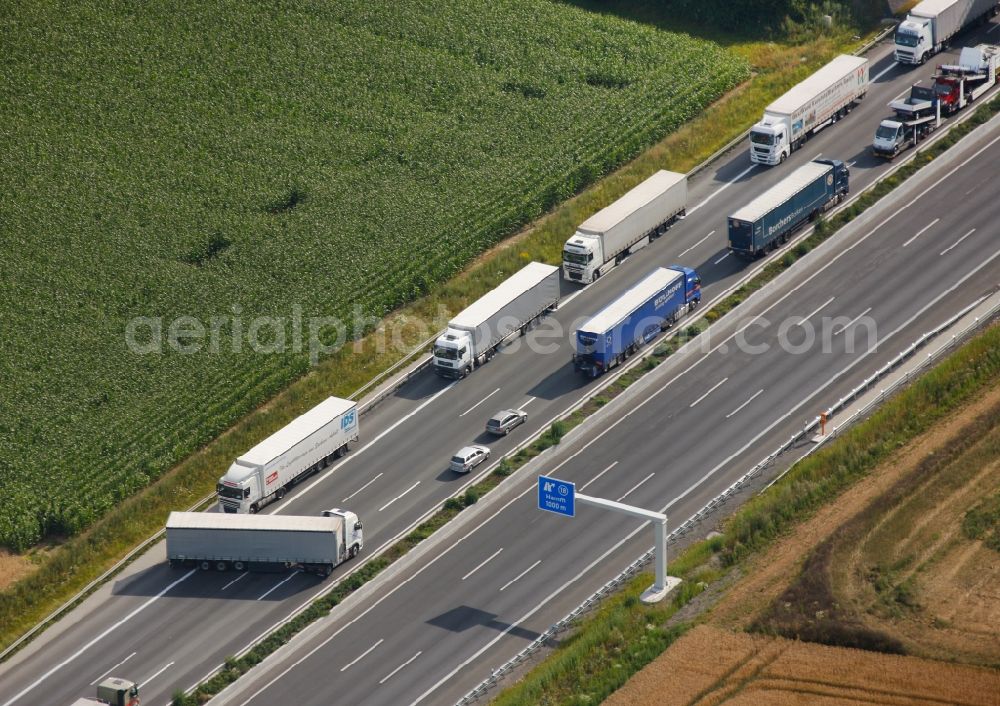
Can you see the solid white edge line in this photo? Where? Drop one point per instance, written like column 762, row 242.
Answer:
column 479, row 402
column 520, row 575
column 642, row 527
column 712, row 389
column 921, row 231
column 96, row 640
column 483, row 563
column 361, row 656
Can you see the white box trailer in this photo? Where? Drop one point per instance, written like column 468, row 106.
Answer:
column 307, row 444
column 474, row 335
column 931, row 23
column 822, row 99
column 220, row 541
column 613, row 233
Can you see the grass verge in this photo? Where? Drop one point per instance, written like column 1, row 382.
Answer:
column 599, row 657
column 811, row 483
column 65, row 569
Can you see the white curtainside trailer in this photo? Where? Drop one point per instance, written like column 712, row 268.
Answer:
column 930, row 24
column 822, row 99
column 629, row 224
column 307, row 444
column 473, row 336
column 215, row 540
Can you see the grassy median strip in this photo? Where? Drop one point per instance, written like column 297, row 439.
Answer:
column 60, row 570
column 618, row 640
column 812, row 482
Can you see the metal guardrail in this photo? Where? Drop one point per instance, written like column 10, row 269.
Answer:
column 739, row 485
column 364, row 409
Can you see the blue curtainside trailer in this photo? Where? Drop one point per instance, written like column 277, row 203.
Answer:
column 770, row 219
column 634, row 318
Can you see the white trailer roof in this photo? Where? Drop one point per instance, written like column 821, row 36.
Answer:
column 233, row 521
column 801, row 93
column 295, row 431
column 782, row 191
column 930, row 8
column 610, row 216
column 624, row 305
column 525, row 279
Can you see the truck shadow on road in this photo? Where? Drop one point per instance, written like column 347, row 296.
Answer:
column 464, row 617
column 229, row 585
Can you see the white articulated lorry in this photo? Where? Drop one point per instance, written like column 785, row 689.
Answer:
column 473, row 336
column 930, row 24
column 307, row 444
column 822, row 99
column 613, row 233
column 215, row 540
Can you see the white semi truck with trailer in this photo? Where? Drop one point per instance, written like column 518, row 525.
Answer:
column 475, row 334
column 307, row 444
column 822, row 99
column 930, row 24
column 613, row 233
column 219, row 541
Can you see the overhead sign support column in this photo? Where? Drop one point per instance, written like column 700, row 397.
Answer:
column 560, row 497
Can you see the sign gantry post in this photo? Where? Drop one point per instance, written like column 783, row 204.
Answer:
column 560, row 497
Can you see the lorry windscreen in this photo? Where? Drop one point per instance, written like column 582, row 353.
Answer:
column 577, row 258
column 885, row 132
column 446, row 353
column 761, row 138
column 943, row 89
column 907, row 39
column 227, row 492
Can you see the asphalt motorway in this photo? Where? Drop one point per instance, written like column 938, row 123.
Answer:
column 492, row 587
column 167, row 629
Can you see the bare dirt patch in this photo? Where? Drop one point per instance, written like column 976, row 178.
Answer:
column 713, row 666
column 770, row 573
column 14, row 567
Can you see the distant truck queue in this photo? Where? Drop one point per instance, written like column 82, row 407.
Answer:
column 930, row 24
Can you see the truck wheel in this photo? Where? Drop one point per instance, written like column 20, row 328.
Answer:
column 353, row 551
column 781, row 159
column 595, row 276
column 327, row 570
column 254, row 509
column 466, row 370
column 923, row 58
column 239, row 566
column 205, row 565
column 221, row 565
column 280, row 493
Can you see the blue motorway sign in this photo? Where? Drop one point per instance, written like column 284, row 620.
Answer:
column 556, row 496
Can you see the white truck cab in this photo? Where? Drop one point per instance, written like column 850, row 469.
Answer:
column 453, row 350
column 354, row 539
column 582, row 255
column 769, row 142
column 914, row 40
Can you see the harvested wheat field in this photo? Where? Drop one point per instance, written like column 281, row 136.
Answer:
column 714, row 666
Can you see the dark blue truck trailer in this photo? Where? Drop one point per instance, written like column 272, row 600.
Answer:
column 770, row 219
column 634, row 318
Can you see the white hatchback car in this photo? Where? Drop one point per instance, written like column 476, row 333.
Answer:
column 469, row 457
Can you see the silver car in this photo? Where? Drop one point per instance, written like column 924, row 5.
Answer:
column 469, row 457
column 502, row 422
